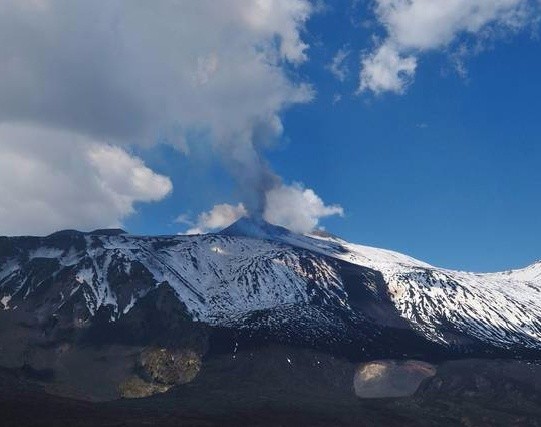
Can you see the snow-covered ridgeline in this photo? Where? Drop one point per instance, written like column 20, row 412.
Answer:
column 214, row 276
column 225, row 276
column 502, row 308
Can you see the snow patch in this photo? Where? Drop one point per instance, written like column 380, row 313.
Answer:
column 5, row 301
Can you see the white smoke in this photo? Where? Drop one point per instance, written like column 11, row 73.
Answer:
column 292, row 206
column 297, row 208
column 220, row 216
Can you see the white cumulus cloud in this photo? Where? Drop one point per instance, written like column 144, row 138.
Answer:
column 338, row 66
column 220, row 216
column 417, row 26
column 137, row 72
column 386, row 70
column 70, row 181
column 297, row 208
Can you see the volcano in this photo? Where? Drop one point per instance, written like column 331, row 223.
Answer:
column 105, row 314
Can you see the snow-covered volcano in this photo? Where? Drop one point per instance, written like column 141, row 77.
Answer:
column 257, row 276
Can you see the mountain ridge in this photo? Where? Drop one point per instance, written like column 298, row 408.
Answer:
column 257, row 277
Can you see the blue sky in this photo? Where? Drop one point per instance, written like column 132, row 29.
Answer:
column 426, row 140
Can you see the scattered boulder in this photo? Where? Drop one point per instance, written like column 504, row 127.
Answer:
column 389, row 378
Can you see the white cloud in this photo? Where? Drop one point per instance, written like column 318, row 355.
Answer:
column 417, row 26
column 386, row 70
column 184, row 218
column 136, row 72
column 220, row 216
column 337, row 97
column 279, row 17
column 297, row 208
column 206, row 68
column 338, row 67
column 130, row 70
column 125, row 177
column 68, row 182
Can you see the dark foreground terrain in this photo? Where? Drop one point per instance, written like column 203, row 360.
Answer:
column 280, row 386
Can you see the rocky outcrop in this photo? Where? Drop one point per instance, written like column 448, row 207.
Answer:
column 159, row 369
column 170, row 367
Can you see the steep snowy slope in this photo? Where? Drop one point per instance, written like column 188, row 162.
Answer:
column 255, row 275
column 215, row 276
column 500, row 308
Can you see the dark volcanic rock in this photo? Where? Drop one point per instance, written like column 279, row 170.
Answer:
column 285, row 386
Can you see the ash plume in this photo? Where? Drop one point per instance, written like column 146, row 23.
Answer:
column 252, row 173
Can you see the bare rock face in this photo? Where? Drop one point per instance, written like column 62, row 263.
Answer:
column 389, row 378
